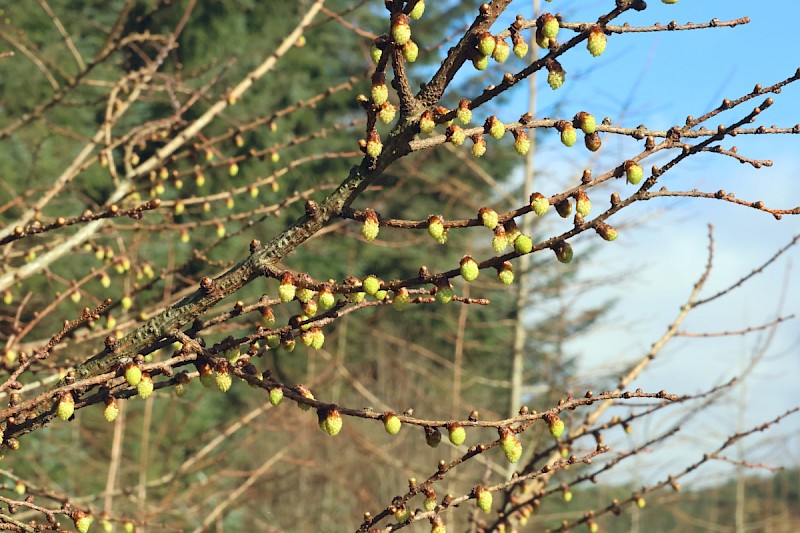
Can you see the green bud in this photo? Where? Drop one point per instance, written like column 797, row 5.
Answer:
column 596, row 43
column 555, row 75
column 549, row 25
column 464, row 113
column 582, row 204
column 275, row 396
column 606, row 232
column 469, row 268
column 426, row 122
column 145, row 387
column 445, row 293
column 478, row 145
column 410, row 51
column 506, row 273
column 401, row 299
column 586, row 122
column 633, row 172
column 523, row 244
column 480, row 62
column 436, row 228
column 417, row 10
column 569, row 135
column 483, row 499
column 133, row 374
column 66, row 406
column 501, row 50
column 556, row 426
column 379, row 93
column 222, row 378
column 539, row 203
column 456, row 433
column 111, row 410
column 401, row 31
column 371, row 285
column 494, row 127
column 391, row 423
column 82, row 520
column 489, row 217
column 371, row 226
column 330, row 421
column 486, row 44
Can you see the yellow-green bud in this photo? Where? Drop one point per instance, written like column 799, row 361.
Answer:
column 330, row 421
column 387, row 112
column 401, row 31
column 82, row 520
column 401, row 514
column 583, row 205
column 445, row 293
column 512, row 447
column 379, row 93
column 374, row 145
column 539, row 203
column 556, row 425
column 586, row 122
column 456, row 433
column 596, row 43
column 486, row 44
column 287, row 290
column 401, row 299
column 222, row 378
column 275, row 396
column 633, row 172
column 111, row 410
column 305, row 393
column 489, row 217
column 606, row 231
column 371, row 285
column 133, row 374
column 417, row 10
column 469, row 268
column 501, row 50
column 410, row 51
column 520, row 46
column 494, row 127
column 436, row 228
column 391, row 423
column 478, row 145
column 483, row 499
column 145, row 387
column 455, row 134
column 480, row 62
column 506, row 273
column 66, row 406
column 371, row 226
column 522, row 143
column 464, row 113
column 375, row 53
column 523, row 244
column 569, row 135
column 549, row 25
column 555, row 75
column 500, row 239
column 426, row 122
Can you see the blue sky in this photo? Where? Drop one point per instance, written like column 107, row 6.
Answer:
column 657, row 79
